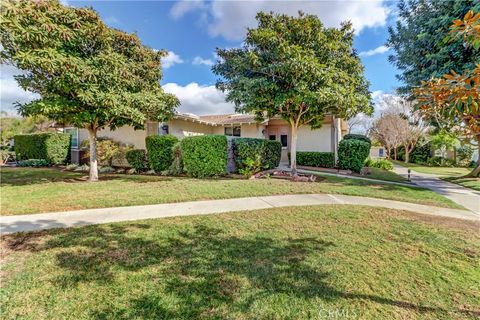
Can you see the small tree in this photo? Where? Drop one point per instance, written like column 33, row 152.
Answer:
column 295, row 68
column 443, row 141
column 86, row 73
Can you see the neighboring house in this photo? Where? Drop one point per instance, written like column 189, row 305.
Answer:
column 325, row 139
column 377, row 152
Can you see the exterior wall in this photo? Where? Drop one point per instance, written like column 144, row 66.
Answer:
column 315, row 140
column 182, row 128
column 375, row 152
column 124, row 134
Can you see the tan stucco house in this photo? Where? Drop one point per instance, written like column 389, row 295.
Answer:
column 325, row 139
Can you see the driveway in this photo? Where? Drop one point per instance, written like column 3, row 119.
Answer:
column 468, row 198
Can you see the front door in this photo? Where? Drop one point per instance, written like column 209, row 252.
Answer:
column 282, row 134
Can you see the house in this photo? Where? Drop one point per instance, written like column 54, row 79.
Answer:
column 325, row 139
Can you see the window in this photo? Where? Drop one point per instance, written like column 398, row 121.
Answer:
column 233, row 131
column 272, row 137
column 74, row 133
column 162, row 129
column 380, row 152
column 284, row 140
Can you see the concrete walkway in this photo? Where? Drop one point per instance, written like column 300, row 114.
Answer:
column 10, row 224
column 465, row 197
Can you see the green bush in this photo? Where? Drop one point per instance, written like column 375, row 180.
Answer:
column 272, row 153
column 159, row 151
column 108, row 151
column 464, row 155
column 205, row 156
column 315, row 159
column 176, row 168
column 380, row 163
column 33, row 163
column 51, row 146
column 256, row 154
column 352, row 154
column 360, row 137
column 137, row 159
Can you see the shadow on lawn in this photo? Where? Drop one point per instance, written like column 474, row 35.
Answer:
column 202, row 268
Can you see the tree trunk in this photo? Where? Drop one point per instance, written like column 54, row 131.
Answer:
column 92, row 138
column 293, row 150
column 476, row 171
column 407, row 155
column 395, row 153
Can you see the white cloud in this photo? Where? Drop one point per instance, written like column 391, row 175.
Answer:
column 171, row 59
column 111, row 20
column 199, row 60
column 200, row 100
column 378, row 50
column 10, row 92
column 230, row 19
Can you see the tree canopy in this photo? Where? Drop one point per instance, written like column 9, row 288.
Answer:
column 295, row 68
column 420, row 41
column 87, row 74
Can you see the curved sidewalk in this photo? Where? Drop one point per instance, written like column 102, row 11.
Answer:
column 34, row 222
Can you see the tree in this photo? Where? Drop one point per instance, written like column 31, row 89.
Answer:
column 11, row 126
column 87, row 74
column 387, row 130
column 295, row 68
column 417, row 41
column 455, row 97
column 443, row 141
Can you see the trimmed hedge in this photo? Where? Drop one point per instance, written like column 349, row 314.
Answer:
column 315, row 159
column 51, row 146
column 247, row 149
column 137, row 159
column 360, row 137
column 352, row 154
column 380, row 163
column 159, row 151
column 205, row 156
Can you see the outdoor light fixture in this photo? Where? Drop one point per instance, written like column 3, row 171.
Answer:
column 409, row 174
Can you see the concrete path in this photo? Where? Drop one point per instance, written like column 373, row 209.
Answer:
column 465, row 197
column 10, row 224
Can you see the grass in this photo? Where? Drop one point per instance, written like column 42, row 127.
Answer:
column 283, row 263
column 472, row 183
column 380, row 174
column 34, row 190
column 439, row 171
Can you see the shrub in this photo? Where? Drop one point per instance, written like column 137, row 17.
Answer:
column 380, row 163
column 176, row 168
column 315, row 159
column 205, row 156
column 247, row 152
column 51, row 146
column 108, row 151
column 464, row 155
column 159, row 151
column 352, row 154
column 106, row 169
column 440, row 162
column 33, row 163
column 272, row 153
column 137, row 159
column 251, row 166
column 360, row 137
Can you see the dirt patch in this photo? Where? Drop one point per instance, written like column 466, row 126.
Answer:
column 451, row 223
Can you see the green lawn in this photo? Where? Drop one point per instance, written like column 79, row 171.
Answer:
column 282, row 263
column 380, row 174
column 440, row 171
column 472, row 183
column 30, row 190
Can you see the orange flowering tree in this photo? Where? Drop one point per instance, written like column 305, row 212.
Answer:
column 456, row 97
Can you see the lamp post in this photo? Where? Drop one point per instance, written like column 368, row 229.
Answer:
column 409, row 174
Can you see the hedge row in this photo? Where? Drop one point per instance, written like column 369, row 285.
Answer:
column 246, row 149
column 137, row 159
column 315, row 159
column 204, row 156
column 159, row 151
column 361, row 137
column 352, row 154
column 50, row 146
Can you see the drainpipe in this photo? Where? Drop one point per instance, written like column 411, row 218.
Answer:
column 335, row 138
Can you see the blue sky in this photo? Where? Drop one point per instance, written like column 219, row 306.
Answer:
column 191, row 30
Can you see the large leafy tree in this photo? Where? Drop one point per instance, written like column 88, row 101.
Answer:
column 455, row 97
column 295, row 68
column 86, row 73
column 420, row 51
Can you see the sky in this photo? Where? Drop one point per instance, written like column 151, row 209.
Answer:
column 191, row 31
